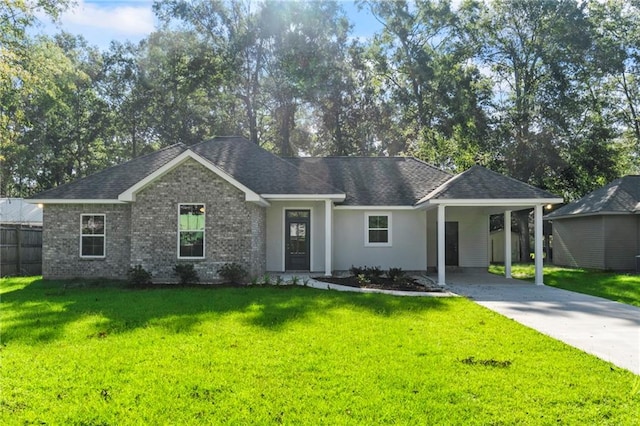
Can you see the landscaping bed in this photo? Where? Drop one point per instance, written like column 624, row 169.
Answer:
column 383, row 283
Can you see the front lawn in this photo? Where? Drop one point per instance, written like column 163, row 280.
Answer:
column 623, row 288
column 85, row 353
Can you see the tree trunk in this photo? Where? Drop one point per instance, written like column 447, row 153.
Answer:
column 522, row 218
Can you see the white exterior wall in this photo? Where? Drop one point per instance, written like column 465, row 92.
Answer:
column 275, row 233
column 473, row 236
column 408, row 235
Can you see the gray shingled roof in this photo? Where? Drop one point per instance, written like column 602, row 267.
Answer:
column 381, row 181
column 620, row 196
column 254, row 167
column 260, row 170
column 109, row 183
column 481, row 183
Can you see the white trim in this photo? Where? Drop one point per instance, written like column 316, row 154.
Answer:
column 328, row 237
column 104, row 236
column 494, row 202
column 368, row 214
column 507, row 243
column 304, row 197
column 441, row 245
column 538, row 255
column 284, row 235
column 130, row 193
column 72, row 201
column 374, row 207
column 204, row 233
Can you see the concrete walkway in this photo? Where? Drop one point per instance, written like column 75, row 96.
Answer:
column 606, row 329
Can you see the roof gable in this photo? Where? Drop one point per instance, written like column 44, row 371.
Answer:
column 480, row 183
column 130, row 193
column 622, row 196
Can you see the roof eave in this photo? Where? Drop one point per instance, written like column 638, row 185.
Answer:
column 74, row 201
column 308, row 197
column 489, row 202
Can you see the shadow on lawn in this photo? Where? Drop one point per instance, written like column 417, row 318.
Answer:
column 40, row 312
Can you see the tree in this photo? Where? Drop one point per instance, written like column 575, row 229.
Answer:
column 437, row 90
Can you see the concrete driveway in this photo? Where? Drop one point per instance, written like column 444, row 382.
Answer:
column 606, row 329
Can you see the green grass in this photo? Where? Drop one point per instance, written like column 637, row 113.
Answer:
column 83, row 353
column 624, row 288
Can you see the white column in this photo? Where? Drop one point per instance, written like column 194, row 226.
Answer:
column 538, row 245
column 507, row 243
column 328, row 237
column 441, row 248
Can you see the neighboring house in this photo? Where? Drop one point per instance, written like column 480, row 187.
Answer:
column 15, row 211
column 20, row 238
column 497, row 246
column 601, row 230
column 228, row 200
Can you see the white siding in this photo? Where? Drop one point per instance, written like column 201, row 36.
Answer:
column 408, row 250
column 473, row 236
column 579, row 242
column 275, row 233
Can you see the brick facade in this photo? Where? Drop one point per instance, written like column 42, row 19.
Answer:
column 61, row 241
column 145, row 231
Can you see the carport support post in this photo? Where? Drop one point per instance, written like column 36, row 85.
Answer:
column 441, row 265
column 507, row 244
column 538, row 245
column 328, row 234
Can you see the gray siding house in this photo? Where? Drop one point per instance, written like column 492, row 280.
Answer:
column 601, row 230
column 228, row 200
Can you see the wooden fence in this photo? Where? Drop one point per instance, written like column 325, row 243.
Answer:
column 20, row 251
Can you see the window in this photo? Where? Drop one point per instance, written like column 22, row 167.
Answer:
column 191, row 231
column 377, row 229
column 92, row 235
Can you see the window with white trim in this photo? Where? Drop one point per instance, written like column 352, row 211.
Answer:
column 191, row 231
column 377, row 229
column 92, row 235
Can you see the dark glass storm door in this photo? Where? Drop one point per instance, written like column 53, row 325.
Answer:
column 451, row 244
column 297, row 244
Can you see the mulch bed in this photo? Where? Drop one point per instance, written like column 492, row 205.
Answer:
column 383, row 283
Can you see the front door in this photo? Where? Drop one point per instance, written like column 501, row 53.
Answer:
column 451, row 243
column 297, row 244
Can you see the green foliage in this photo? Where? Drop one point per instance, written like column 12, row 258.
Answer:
column 136, row 357
column 546, row 91
column 371, row 272
column 233, row 272
column 138, row 276
column 186, row 273
column 396, row 274
column 363, row 279
column 624, row 288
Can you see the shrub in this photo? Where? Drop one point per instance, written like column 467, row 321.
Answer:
column 363, row 279
column 138, row 276
column 186, row 272
column 356, row 270
column 396, row 274
column 266, row 279
column 233, row 272
column 373, row 272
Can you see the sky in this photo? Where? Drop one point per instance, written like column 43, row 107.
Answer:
column 101, row 21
